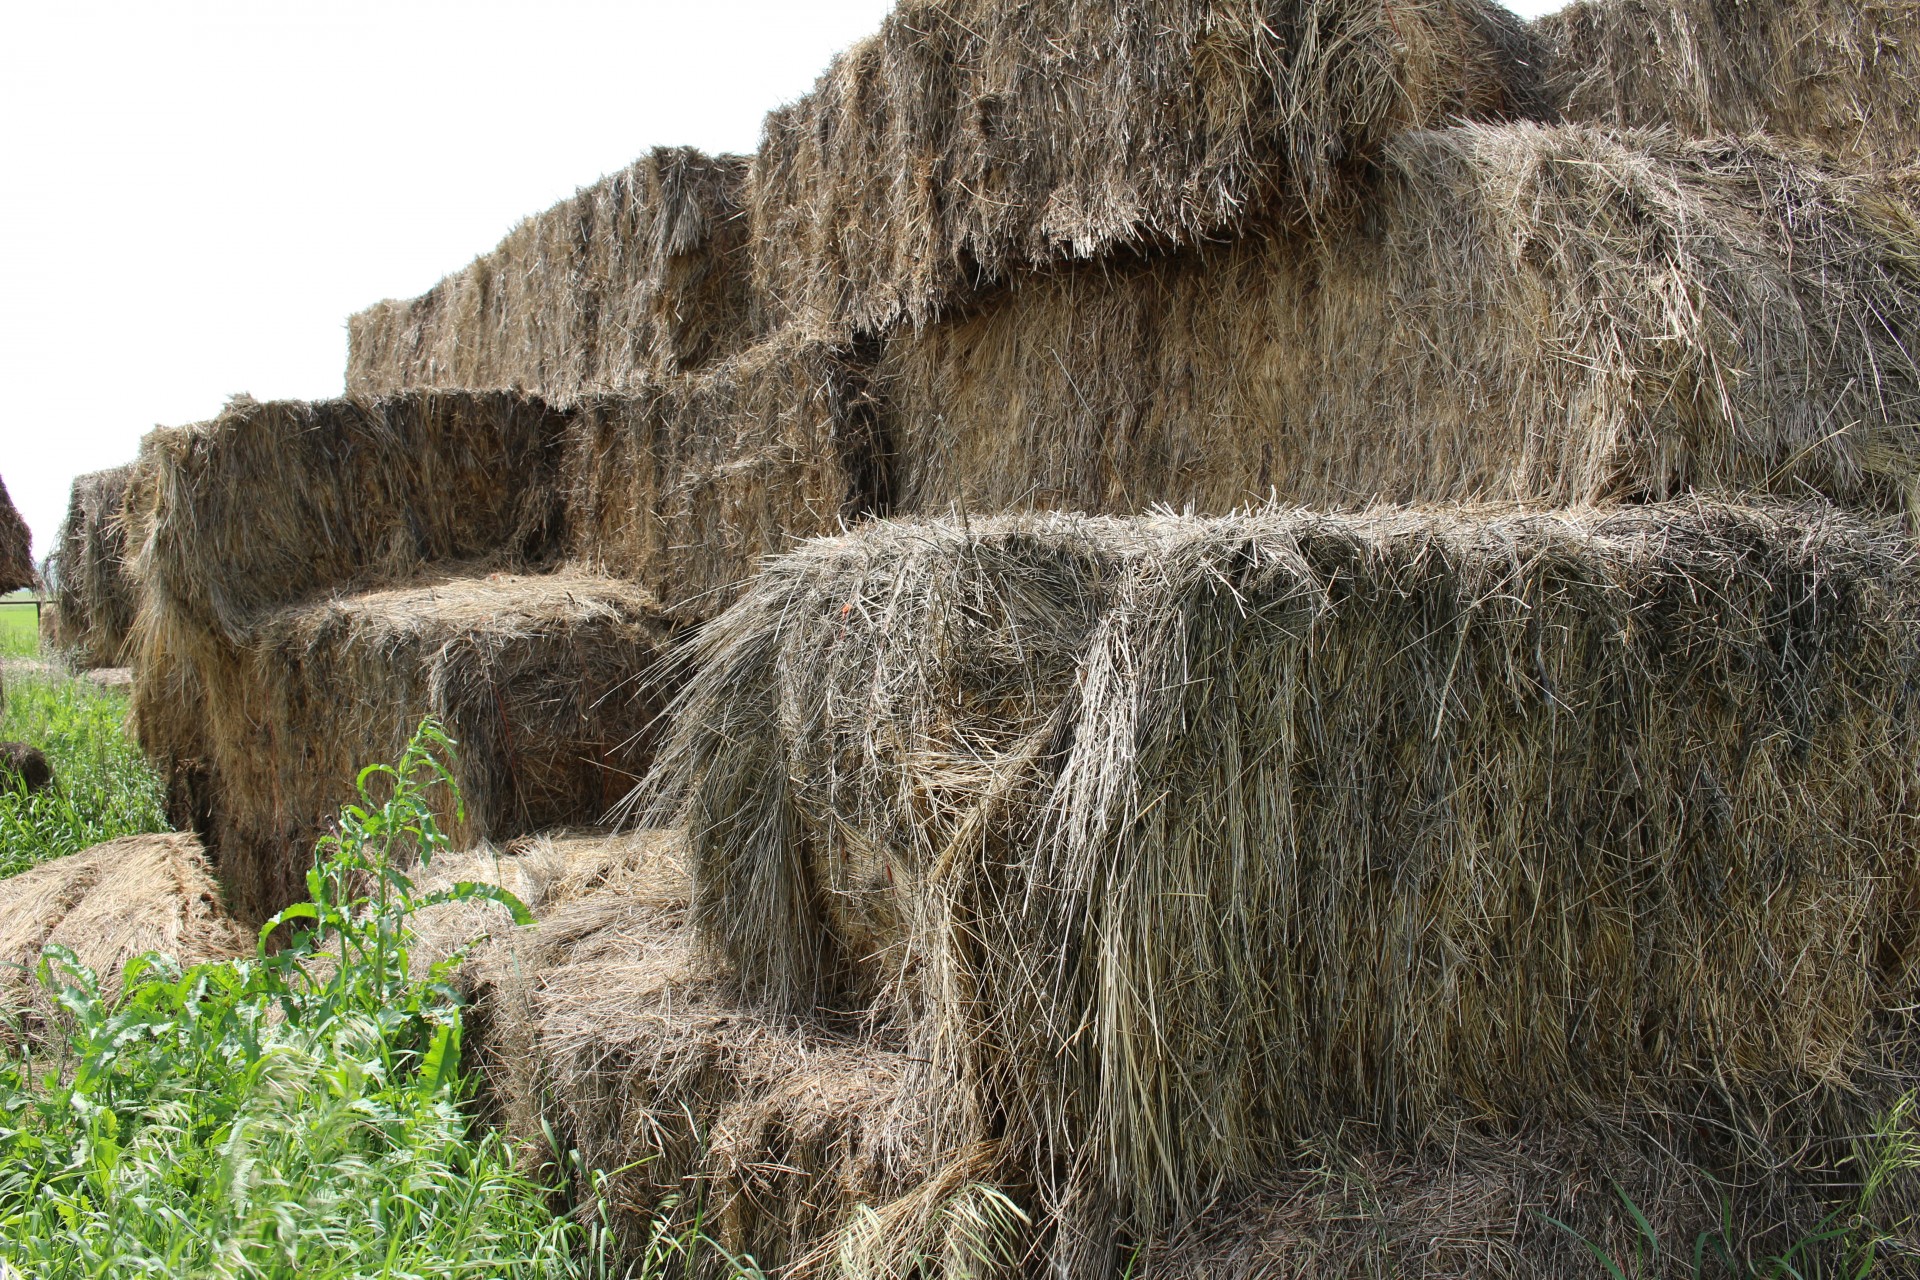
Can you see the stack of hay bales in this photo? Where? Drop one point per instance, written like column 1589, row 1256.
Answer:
column 316, row 578
column 1841, row 75
column 1168, row 845
column 1235, row 893
column 642, row 273
column 94, row 591
column 16, row 547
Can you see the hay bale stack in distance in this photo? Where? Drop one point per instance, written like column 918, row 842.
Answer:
column 272, row 505
column 1169, row 844
column 107, row 905
column 686, row 486
column 1842, row 75
column 95, row 591
column 639, row 275
column 16, row 547
column 1528, row 313
column 970, row 138
column 541, row 680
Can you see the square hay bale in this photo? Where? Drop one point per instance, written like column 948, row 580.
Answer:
column 809, row 1143
column 541, row 680
column 274, row 503
column 16, row 547
column 641, row 274
column 969, row 138
column 93, row 587
column 1168, row 844
column 1843, row 75
column 607, row 1029
column 685, row 486
column 1526, row 313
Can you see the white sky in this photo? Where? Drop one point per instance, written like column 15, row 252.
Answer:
column 194, row 194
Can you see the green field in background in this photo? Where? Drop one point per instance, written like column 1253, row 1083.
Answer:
column 19, row 629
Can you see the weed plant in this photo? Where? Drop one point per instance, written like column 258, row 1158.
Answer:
column 294, row 1114
column 103, row 787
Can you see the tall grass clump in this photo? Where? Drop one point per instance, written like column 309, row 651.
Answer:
column 295, row 1114
column 103, row 788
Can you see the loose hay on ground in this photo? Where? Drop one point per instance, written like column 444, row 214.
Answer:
column 1534, row 314
column 107, row 905
column 639, row 275
column 1168, row 844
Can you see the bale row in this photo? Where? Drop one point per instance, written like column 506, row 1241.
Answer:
column 1536, row 314
column 1842, row 75
column 1167, row 845
column 970, row 138
column 541, row 681
column 94, row 590
column 273, row 507
column 641, row 274
column 16, row 548
column 810, row 1143
column 686, row 486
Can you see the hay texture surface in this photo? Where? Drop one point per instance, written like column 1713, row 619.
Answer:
column 107, row 905
column 1528, row 313
column 1169, row 844
column 641, row 274
column 969, row 138
column 811, row 1143
column 95, row 590
column 607, row 1028
column 275, row 503
column 686, row 486
column 1843, row 75
column 540, row 679
column 16, row 547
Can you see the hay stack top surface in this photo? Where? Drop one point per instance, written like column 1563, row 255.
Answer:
column 637, row 276
column 1843, row 75
column 1229, row 829
column 970, row 137
column 109, row 904
column 16, row 547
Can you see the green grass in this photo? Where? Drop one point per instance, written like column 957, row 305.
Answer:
column 294, row 1115
column 19, row 628
column 103, row 786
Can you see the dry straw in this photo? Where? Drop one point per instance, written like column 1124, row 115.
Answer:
column 1843, row 75
column 16, row 547
column 1167, row 845
column 298, row 617
column 789, row 1141
column 970, row 138
column 94, row 590
column 107, row 905
column 540, row 680
column 639, row 275
column 1527, row 313
column 810, row 1143
column 686, row 486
